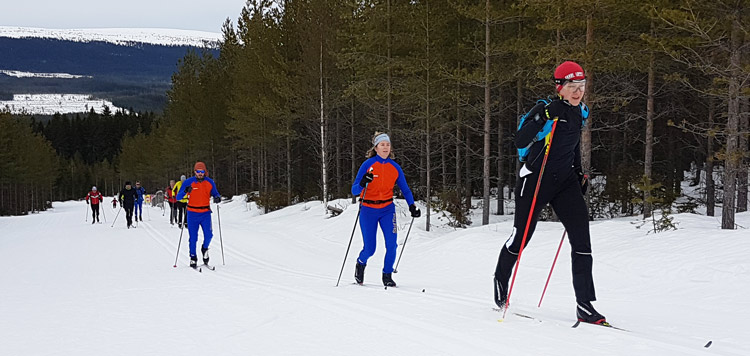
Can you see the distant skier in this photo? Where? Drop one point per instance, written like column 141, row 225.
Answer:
column 128, row 197
column 563, row 185
column 140, row 191
column 199, row 190
column 114, row 202
column 378, row 174
column 171, row 200
column 180, row 204
column 95, row 198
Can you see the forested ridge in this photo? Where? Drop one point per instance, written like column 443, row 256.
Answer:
column 288, row 107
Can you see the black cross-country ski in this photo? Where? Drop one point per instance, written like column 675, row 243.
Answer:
column 604, row 324
column 211, row 268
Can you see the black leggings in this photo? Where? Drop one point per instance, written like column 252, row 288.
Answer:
column 563, row 192
column 95, row 212
column 172, row 212
column 181, row 213
column 129, row 213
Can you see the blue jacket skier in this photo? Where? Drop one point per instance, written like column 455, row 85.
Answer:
column 374, row 183
column 141, row 191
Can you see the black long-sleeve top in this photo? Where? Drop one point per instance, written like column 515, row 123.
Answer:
column 565, row 152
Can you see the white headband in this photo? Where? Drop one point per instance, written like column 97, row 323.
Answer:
column 380, row 138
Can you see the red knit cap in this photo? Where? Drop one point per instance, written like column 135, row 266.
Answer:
column 200, row 166
column 566, row 72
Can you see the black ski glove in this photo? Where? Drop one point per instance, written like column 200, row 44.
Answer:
column 583, row 180
column 87, row 202
column 366, row 179
column 415, row 212
column 217, row 200
column 188, row 189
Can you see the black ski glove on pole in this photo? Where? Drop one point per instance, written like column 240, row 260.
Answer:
column 217, row 200
column 415, row 212
column 366, row 179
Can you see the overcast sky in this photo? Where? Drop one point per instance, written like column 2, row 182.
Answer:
column 203, row 15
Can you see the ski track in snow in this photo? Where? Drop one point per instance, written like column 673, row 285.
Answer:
column 76, row 288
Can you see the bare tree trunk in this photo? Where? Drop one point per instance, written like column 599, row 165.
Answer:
column 288, row 168
column 389, row 114
column 428, row 148
column 443, row 163
column 324, row 167
column 500, row 162
column 519, row 112
column 487, row 124
column 459, row 141
column 732, row 160
column 338, row 155
column 586, row 134
column 354, row 148
column 710, row 186
column 649, row 145
column 468, row 192
column 742, row 174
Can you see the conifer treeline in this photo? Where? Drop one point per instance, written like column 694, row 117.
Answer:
column 301, row 85
column 61, row 158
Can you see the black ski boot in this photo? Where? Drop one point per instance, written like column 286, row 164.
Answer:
column 93, row 221
column 501, row 293
column 204, row 252
column 194, row 261
column 388, row 281
column 587, row 314
column 359, row 273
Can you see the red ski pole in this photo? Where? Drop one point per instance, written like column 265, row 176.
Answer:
column 531, row 214
column 551, row 268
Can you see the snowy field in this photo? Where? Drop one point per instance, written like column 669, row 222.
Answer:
column 73, row 288
column 20, row 74
column 49, row 104
column 120, row 36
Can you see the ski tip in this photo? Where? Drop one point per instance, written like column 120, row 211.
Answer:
column 708, row 344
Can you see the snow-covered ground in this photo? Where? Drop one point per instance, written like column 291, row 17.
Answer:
column 72, row 288
column 120, row 36
column 20, row 74
column 49, row 104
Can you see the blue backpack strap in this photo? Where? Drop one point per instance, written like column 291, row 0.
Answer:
column 584, row 113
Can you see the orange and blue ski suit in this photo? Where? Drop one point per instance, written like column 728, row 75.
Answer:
column 198, row 209
column 378, row 208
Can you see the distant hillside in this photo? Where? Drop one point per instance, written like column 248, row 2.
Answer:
column 128, row 73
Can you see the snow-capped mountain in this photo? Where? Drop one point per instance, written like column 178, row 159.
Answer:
column 120, row 36
column 130, row 67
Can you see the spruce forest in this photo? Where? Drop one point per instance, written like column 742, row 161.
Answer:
column 286, row 111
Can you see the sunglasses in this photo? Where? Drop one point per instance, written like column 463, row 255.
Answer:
column 200, row 171
column 576, row 87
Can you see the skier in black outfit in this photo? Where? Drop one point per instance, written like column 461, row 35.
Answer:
column 563, row 186
column 128, row 196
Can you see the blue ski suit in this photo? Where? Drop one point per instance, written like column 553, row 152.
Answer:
column 378, row 207
column 141, row 191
